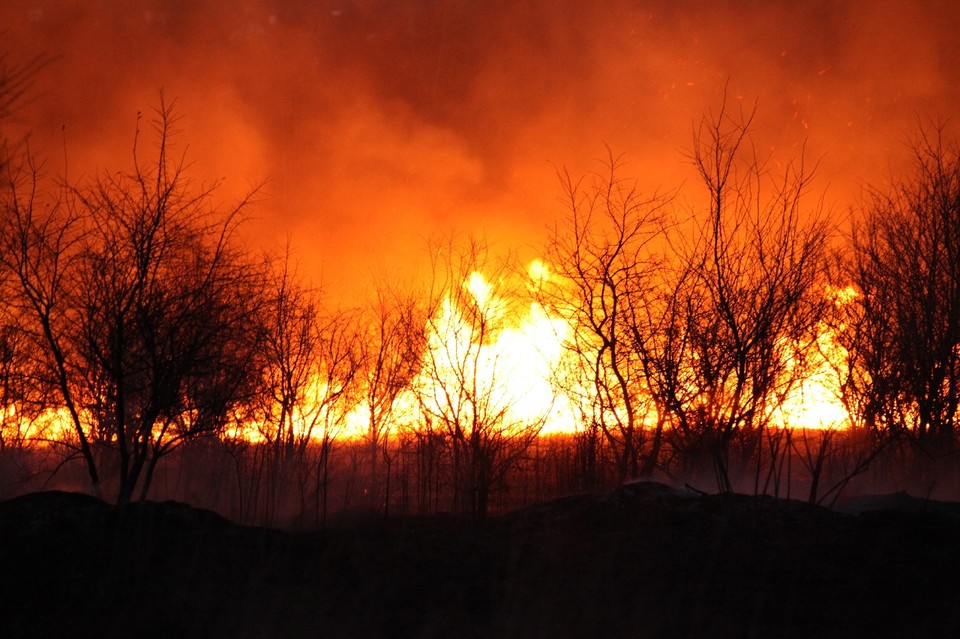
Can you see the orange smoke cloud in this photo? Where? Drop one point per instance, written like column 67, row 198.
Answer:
column 375, row 124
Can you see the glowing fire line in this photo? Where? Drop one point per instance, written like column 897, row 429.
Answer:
column 516, row 369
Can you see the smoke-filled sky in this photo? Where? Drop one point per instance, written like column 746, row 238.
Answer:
column 376, row 123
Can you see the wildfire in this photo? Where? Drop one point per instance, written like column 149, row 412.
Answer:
column 48, row 427
column 506, row 367
column 501, row 359
column 815, row 402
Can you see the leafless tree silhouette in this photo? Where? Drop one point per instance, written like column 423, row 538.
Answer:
column 606, row 257
column 747, row 302
column 901, row 324
column 462, row 391
column 394, row 344
column 142, row 305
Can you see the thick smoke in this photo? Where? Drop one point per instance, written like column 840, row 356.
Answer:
column 376, row 123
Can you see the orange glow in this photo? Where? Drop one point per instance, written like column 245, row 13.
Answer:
column 371, row 126
column 511, row 371
column 50, row 427
column 514, row 371
column 815, row 402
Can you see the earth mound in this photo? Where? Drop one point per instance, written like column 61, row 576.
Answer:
column 646, row 560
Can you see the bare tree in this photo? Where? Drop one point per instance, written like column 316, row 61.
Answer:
column 337, row 393
column 291, row 348
column 285, row 410
column 394, row 341
column 606, row 260
column 746, row 302
column 462, row 389
column 21, row 402
column 144, row 308
column 311, row 359
column 41, row 241
column 901, row 326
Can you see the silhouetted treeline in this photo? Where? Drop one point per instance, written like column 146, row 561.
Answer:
column 146, row 351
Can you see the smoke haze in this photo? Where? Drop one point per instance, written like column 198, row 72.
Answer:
column 374, row 123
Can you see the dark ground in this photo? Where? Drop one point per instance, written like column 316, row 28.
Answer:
column 645, row 561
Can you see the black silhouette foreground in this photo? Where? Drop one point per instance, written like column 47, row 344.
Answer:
column 644, row 561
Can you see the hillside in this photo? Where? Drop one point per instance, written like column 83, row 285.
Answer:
column 644, row 561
